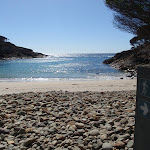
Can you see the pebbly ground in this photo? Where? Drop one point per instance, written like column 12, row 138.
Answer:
column 67, row 121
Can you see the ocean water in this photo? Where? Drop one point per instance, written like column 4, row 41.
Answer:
column 60, row 67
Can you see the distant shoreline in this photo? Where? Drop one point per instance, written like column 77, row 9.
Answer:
column 14, row 58
column 11, row 51
column 130, row 60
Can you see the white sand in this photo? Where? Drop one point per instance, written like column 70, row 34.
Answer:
column 73, row 86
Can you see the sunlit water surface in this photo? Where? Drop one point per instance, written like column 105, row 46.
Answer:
column 60, row 67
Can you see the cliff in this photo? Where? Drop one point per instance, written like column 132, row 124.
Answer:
column 9, row 50
column 129, row 60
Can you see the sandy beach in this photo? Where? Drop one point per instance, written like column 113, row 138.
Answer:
column 72, row 86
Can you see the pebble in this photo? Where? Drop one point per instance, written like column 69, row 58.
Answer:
column 59, row 148
column 108, row 127
column 76, row 148
column 79, row 125
column 103, row 137
column 123, row 121
column 18, row 131
column 29, row 141
column 96, row 146
column 94, row 132
column 2, row 147
column 4, row 131
column 21, row 113
column 64, row 120
column 119, row 145
column 1, row 123
column 130, row 144
column 131, row 115
column 107, row 146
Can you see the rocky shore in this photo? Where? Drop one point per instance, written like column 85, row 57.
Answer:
column 67, row 121
column 130, row 60
column 11, row 51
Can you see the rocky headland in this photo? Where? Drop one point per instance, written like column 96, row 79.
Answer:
column 10, row 51
column 130, row 60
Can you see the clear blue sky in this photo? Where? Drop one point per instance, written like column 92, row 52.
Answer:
column 62, row 26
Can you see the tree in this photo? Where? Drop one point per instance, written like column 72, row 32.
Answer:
column 3, row 39
column 132, row 16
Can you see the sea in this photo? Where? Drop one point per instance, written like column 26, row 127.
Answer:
column 59, row 68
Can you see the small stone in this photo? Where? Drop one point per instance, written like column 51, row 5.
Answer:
column 60, row 137
column 81, row 146
column 80, row 131
column 72, row 128
column 71, row 122
column 131, row 115
column 4, row 131
column 54, row 142
column 2, row 147
column 10, row 147
column 51, row 147
column 85, row 135
column 52, row 130
column 21, row 113
column 108, row 127
column 96, row 124
column 130, row 144
column 2, row 137
column 123, row 121
column 114, row 137
column 119, row 145
column 29, row 130
column 8, row 106
column 76, row 148
column 103, row 137
column 61, row 114
column 119, row 130
column 18, row 131
column 125, row 136
column 131, row 123
column 107, row 146
column 29, row 141
column 1, row 123
column 79, row 125
column 10, row 142
column 59, row 148
column 96, row 146
column 94, row 132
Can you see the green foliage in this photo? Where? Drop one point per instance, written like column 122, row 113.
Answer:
column 132, row 16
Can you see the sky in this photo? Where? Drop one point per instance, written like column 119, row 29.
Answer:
column 62, row 26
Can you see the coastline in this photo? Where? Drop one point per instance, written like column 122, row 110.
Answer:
column 71, row 86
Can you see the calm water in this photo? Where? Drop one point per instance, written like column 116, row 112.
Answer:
column 63, row 67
